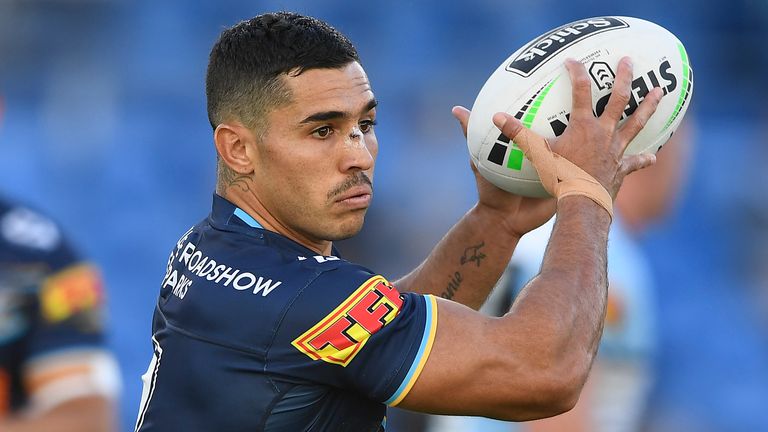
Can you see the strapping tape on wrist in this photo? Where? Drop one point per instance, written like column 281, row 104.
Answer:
column 559, row 176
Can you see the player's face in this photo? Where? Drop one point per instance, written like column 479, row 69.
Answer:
column 316, row 159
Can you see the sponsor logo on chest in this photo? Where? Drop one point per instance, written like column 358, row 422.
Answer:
column 195, row 263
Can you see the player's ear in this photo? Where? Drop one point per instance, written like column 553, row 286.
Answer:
column 232, row 140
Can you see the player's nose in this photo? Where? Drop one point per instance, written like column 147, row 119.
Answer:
column 355, row 153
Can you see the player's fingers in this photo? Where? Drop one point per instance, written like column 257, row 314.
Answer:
column 509, row 126
column 462, row 115
column 622, row 90
column 633, row 163
column 637, row 121
column 581, row 89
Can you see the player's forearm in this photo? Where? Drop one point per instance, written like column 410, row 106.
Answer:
column 467, row 262
column 563, row 308
column 535, row 358
column 579, row 247
column 91, row 414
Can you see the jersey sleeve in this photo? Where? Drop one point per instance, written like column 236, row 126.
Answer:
column 68, row 295
column 64, row 354
column 70, row 312
column 353, row 330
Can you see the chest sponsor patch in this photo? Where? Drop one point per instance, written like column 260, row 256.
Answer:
column 339, row 336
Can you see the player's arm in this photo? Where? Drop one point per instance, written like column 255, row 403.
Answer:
column 70, row 377
column 533, row 362
column 86, row 414
column 466, row 264
column 579, row 419
column 72, row 388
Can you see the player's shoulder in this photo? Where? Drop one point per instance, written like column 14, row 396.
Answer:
column 36, row 258
column 27, row 229
column 260, row 262
column 344, row 289
column 336, row 278
column 250, row 250
column 337, row 313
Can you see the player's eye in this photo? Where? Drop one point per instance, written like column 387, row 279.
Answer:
column 323, row 132
column 367, row 126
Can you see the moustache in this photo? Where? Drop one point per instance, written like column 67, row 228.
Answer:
column 355, row 180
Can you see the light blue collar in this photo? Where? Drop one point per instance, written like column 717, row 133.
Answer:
column 245, row 217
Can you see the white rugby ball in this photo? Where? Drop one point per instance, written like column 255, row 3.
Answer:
column 534, row 86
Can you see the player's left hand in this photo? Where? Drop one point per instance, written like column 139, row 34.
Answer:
column 520, row 214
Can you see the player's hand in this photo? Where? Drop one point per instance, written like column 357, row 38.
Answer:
column 521, row 214
column 597, row 144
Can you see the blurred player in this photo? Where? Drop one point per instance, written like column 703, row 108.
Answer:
column 56, row 374
column 261, row 326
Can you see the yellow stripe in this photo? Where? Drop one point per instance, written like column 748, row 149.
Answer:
column 425, row 356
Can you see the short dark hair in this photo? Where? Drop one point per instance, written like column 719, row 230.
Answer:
column 243, row 78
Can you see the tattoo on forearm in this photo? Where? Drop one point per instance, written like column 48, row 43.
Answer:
column 453, row 285
column 473, row 254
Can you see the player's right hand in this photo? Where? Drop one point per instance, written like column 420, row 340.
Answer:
column 597, row 144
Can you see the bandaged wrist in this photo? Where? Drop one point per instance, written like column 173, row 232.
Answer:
column 589, row 188
column 559, row 176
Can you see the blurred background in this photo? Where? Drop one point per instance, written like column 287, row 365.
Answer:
column 104, row 126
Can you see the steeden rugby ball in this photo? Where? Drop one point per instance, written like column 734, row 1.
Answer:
column 534, row 86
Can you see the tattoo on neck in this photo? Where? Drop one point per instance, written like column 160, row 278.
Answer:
column 473, row 254
column 242, row 181
column 454, row 282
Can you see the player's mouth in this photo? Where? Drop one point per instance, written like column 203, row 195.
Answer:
column 357, row 197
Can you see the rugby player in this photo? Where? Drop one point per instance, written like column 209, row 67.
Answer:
column 261, row 325
column 56, row 373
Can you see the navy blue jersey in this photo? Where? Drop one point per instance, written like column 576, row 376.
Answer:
column 255, row 332
column 50, row 302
